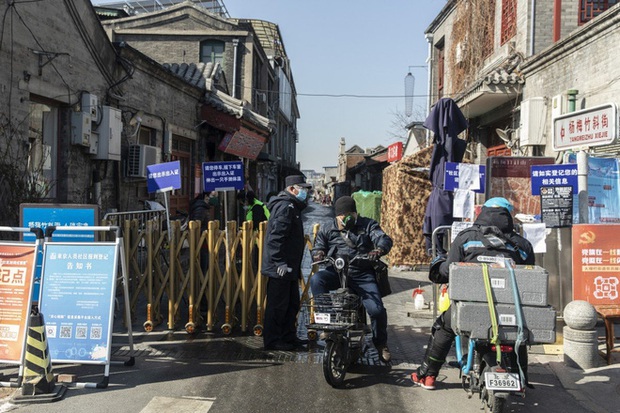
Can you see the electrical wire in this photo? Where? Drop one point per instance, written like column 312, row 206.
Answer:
column 42, row 48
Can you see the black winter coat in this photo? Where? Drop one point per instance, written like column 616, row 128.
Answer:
column 473, row 242
column 284, row 241
column 365, row 236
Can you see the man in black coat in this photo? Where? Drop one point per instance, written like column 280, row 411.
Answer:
column 282, row 255
column 347, row 236
column 492, row 235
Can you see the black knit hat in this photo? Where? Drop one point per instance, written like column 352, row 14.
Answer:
column 343, row 205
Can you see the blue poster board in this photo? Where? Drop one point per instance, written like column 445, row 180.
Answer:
column 451, row 177
column 222, row 176
column 603, row 191
column 77, row 298
column 554, row 176
column 65, row 215
column 163, row 177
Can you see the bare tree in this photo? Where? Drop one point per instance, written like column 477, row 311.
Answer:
column 22, row 177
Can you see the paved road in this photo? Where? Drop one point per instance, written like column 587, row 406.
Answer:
column 209, row 372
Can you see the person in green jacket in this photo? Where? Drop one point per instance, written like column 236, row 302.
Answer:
column 257, row 211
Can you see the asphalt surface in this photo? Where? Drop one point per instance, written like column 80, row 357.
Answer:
column 211, row 372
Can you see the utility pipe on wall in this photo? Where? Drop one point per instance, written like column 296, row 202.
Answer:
column 234, row 85
column 429, row 61
column 532, row 27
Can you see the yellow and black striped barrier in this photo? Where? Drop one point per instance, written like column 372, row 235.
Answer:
column 39, row 383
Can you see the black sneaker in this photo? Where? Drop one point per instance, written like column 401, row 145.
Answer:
column 298, row 342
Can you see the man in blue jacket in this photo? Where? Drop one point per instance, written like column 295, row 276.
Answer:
column 350, row 235
column 282, row 255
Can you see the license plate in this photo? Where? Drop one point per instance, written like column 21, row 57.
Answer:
column 502, row 381
column 322, row 318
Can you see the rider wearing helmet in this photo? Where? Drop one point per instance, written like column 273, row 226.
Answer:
column 491, row 235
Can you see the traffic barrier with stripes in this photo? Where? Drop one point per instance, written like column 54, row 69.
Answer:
column 39, row 385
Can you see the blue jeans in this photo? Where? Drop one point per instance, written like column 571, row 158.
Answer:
column 365, row 286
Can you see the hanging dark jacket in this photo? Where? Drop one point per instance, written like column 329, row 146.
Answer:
column 365, row 236
column 284, row 241
column 491, row 235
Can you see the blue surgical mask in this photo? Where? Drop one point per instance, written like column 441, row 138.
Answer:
column 302, row 194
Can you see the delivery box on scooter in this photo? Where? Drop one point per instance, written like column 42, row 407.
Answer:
column 473, row 319
column 467, row 283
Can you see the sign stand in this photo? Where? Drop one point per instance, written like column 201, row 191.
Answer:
column 17, row 268
column 77, row 298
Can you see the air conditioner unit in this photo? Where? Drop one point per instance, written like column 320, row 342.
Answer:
column 139, row 157
column 533, row 119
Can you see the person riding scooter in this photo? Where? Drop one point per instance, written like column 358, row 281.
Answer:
column 492, row 235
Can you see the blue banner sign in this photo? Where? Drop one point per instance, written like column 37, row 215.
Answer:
column 222, row 176
column 451, row 177
column 162, row 177
column 77, row 298
column 554, row 175
column 66, row 215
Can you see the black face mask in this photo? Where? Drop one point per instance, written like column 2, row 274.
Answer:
column 348, row 222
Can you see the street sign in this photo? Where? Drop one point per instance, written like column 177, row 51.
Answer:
column 223, row 176
column 554, row 175
column 163, row 177
column 594, row 126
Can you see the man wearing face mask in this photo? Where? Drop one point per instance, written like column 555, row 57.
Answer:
column 347, row 236
column 282, row 255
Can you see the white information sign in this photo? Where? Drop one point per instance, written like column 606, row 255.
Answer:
column 595, row 126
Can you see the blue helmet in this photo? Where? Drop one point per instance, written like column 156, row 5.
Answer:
column 499, row 202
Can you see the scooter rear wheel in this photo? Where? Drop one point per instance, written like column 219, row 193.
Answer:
column 334, row 363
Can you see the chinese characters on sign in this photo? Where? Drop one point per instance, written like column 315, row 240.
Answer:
column 163, row 177
column 596, row 263
column 554, row 175
column 395, row 152
column 77, row 297
column 589, row 127
column 557, row 206
column 510, row 177
column 453, row 173
column 223, row 176
column 16, row 272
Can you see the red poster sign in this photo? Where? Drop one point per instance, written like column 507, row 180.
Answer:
column 395, row 152
column 596, row 263
column 16, row 273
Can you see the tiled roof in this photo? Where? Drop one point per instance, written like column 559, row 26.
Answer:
column 204, row 75
column 197, row 74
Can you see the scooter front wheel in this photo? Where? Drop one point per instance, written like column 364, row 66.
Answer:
column 334, row 363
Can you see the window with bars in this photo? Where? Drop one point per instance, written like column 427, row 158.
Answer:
column 589, row 9
column 509, row 20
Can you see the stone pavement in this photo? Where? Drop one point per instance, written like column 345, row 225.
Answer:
column 597, row 390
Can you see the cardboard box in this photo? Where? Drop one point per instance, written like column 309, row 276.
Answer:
column 467, row 284
column 473, row 319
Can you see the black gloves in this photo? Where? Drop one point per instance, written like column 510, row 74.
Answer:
column 375, row 254
column 318, row 256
